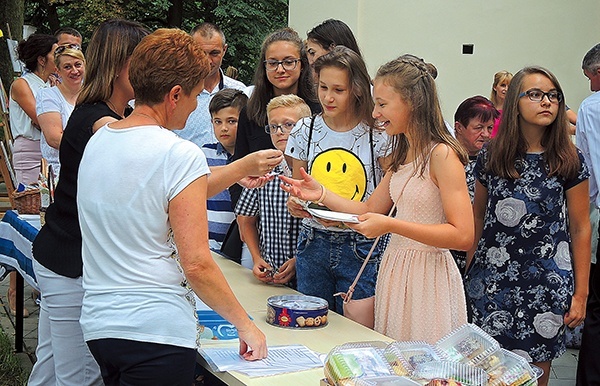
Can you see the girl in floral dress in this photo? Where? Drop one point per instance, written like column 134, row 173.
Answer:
column 528, row 277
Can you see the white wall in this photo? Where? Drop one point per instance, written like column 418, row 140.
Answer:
column 507, row 35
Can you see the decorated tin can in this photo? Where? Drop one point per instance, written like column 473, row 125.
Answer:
column 297, row 311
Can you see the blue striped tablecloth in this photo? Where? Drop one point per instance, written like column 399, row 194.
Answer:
column 17, row 233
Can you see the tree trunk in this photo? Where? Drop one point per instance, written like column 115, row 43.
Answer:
column 53, row 20
column 11, row 18
column 175, row 14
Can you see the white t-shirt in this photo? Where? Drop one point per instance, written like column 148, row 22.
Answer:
column 133, row 284
column 341, row 161
column 51, row 100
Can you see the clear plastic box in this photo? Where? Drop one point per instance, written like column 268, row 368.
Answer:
column 405, row 356
column 467, row 375
column 346, row 363
column 394, row 380
column 467, row 344
column 507, row 368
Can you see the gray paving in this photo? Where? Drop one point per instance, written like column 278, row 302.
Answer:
column 563, row 369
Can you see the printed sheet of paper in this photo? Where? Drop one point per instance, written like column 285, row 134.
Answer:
column 281, row 359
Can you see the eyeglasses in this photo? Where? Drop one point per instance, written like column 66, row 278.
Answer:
column 538, row 95
column 285, row 128
column 60, row 49
column 287, row 64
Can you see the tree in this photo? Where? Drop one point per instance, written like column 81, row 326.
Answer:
column 11, row 21
column 244, row 22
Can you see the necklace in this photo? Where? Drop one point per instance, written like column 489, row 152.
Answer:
column 113, row 108
column 149, row 117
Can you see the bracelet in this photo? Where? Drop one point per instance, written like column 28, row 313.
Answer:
column 323, row 195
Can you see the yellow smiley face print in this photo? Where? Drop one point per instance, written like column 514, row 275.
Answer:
column 342, row 172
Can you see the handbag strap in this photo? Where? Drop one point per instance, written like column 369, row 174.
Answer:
column 347, row 296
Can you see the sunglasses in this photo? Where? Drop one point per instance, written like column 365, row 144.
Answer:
column 60, row 49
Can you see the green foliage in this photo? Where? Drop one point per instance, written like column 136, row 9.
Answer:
column 11, row 372
column 244, row 22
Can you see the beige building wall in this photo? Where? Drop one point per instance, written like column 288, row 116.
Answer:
column 506, row 35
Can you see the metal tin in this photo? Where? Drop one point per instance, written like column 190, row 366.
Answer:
column 297, row 311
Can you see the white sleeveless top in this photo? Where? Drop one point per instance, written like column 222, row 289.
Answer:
column 20, row 123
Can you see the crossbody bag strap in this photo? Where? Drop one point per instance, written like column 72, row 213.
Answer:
column 347, row 296
column 310, row 131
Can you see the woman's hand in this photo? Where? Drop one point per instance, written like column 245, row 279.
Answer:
column 371, row 225
column 576, row 314
column 262, row 162
column 253, row 343
column 286, row 272
column 263, row 271
column 255, row 182
column 307, row 189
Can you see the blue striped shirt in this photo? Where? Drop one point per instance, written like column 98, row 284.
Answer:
column 220, row 212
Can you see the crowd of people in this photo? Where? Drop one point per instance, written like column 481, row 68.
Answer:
column 487, row 223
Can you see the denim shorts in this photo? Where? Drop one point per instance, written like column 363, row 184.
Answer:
column 327, row 262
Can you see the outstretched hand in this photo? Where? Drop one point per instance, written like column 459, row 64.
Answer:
column 307, row 189
column 255, row 182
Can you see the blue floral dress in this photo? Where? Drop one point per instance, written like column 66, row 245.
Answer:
column 520, row 283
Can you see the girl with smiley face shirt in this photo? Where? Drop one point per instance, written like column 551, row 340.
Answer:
column 527, row 280
column 342, row 151
column 419, row 293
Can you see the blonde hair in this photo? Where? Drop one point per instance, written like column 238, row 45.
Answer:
column 411, row 79
column 289, row 101
column 499, row 77
column 77, row 54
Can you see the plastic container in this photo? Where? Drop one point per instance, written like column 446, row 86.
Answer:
column 507, row 368
column 348, row 362
column 297, row 311
column 394, row 380
column 405, row 356
column 466, row 375
column 467, row 344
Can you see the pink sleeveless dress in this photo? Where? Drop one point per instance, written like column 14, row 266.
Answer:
column 419, row 292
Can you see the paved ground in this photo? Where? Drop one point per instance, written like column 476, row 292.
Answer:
column 563, row 369
column 29, row 324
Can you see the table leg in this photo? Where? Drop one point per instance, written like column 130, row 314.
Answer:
column 19, row 317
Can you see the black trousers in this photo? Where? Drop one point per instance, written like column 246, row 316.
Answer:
column 588, row 367
column 132, row 363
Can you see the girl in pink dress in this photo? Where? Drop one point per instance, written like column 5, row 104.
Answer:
column 419, row 293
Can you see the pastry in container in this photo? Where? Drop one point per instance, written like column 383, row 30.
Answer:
column 505, row 368
column 404, row 357
column 348, row 362
column 464, row 374
column 467, row 344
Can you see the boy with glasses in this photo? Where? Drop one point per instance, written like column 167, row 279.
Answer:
column 265, row 224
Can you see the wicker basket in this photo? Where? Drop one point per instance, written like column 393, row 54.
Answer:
column 27, row 201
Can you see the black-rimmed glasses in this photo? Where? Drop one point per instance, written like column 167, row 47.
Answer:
column 285, row 128
column 60, row 49
column 538, row 95
column 287, row 64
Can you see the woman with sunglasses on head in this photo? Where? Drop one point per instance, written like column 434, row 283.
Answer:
column 528, row 279
column 54, row 105
column 37, row 54
column 62, row 355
